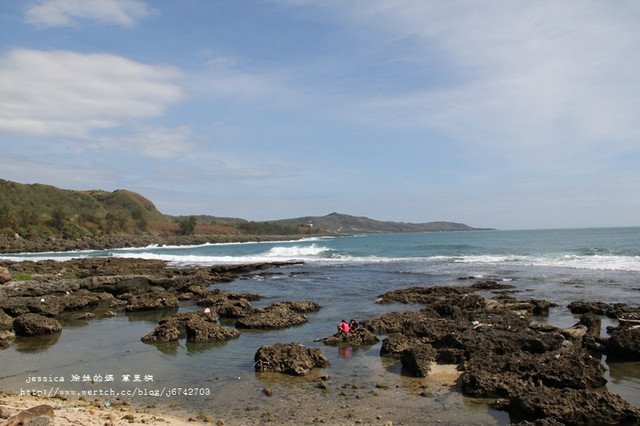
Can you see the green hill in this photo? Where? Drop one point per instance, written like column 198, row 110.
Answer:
column 42, row 210
column 37, row 212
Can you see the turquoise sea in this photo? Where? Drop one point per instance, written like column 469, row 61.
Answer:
column 344, row 275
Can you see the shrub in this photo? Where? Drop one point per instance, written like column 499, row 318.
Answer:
column 187, row 225
column 71, row 231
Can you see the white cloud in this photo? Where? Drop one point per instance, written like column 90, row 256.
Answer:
column 27, row 169
column 64, row 13
column 241, row 86
column 546, row 78
column 153, row 142
column 73, row 95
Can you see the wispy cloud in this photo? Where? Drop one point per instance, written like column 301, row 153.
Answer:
column 150, row 141
column 28, row 169
column 522, row 78
column 223, row 78
column 72, row 95
column 65, row 13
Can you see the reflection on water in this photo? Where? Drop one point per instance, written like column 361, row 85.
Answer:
column 197, row 348
column 36, row 343
column 151, row 316
column 623, row 378
column 167, row 348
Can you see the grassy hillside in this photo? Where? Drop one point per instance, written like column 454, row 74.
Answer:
column 38, row 212
column 33, row 211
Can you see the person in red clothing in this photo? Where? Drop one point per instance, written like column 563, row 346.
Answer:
column 343, row 327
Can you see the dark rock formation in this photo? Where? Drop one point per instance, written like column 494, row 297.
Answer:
column 276, row 315
column 173, row 328
column 200, row 330
column 229, row 305
column 303, row 306
column 540, row 374
column 490, row 285
column 615, row 310
column 289, row 358
column 391, row 322
column 360, row 338
column 35, row 325
column 522, row 307
column 422, row 295
column 489, row 375
column 570, row 406
column 417, row 360
column 165, row 332
column 155, row 299
column 624, row 343
column 394, row 345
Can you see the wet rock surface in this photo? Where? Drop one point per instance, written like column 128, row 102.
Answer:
column 359, row 338
column 152, row 300
column 624, row 343
column 35, row 325
column 539, row 373
column 200, row 330
column 278, row 315
column 197, row 326
column 417, row 359
column 78, row 288
column 289, row 358
column 490, row 285
column 421, row 294
column 615, row 310
column 570, row 406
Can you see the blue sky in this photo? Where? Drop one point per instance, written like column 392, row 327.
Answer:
column 506, row 114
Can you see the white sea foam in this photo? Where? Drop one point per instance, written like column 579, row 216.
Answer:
column 275, row 254
column 238, row 243
column 597, row 262
column 44, row 256
column 321, row 253
column 297, row 251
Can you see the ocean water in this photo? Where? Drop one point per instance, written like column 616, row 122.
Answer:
column 344, row 275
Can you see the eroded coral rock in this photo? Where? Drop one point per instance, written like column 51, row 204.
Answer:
column 289, row 358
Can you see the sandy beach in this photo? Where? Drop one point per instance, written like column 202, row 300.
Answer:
column 382, row 404
column 78, row 412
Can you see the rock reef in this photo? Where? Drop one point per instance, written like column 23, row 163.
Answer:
column 539, row 373
column 289, row 358
column 49, row 292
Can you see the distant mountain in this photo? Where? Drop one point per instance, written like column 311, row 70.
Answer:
column 37, row 212
column 342, row 223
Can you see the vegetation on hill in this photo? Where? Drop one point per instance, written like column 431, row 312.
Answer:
column 41, row 212
column 342, row 223
column 38, row 211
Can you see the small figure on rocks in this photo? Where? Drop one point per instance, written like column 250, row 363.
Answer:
column 343, row 327
column 354, row 326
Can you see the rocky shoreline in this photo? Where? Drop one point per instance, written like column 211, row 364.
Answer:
column 22, row 245
column 90, row 288
column 538, row 373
